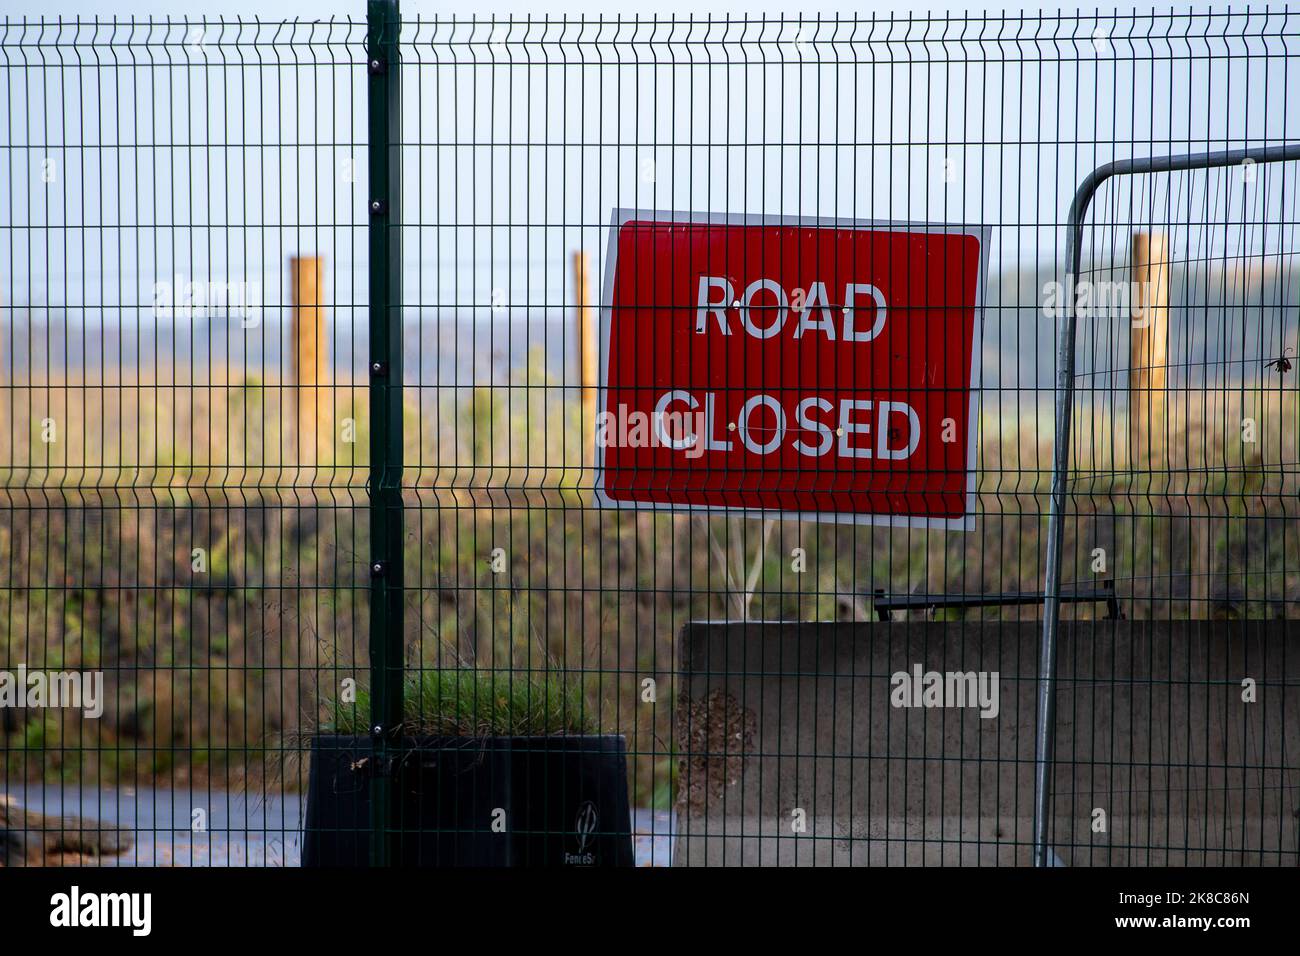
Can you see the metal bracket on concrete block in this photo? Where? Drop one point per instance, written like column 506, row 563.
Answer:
column 887, row 604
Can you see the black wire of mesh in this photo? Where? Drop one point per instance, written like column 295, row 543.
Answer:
column 598, row 663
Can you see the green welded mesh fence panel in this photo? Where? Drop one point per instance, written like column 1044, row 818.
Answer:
column 302, row 451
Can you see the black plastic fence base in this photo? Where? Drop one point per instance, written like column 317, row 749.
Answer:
column 493, row 801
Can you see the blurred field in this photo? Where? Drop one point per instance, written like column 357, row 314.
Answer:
column 216, row 675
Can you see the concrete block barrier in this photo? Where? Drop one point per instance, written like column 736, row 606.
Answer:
column 913, row 744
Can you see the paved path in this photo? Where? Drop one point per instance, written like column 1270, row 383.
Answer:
column 240, row 829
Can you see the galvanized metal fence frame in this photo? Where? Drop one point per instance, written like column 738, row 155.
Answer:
column 1065, row 367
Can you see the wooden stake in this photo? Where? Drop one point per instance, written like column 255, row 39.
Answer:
column 1149, row 346
column 6, row 422
column 310, row 372
column 587, row 353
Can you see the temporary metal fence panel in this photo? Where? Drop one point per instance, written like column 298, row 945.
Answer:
column 313, row 338
column 1180, row 272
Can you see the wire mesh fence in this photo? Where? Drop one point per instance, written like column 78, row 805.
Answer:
column 321, row 350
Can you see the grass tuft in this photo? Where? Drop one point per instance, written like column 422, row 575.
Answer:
column 465, row 702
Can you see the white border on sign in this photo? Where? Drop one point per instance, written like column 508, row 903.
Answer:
column 621, row 216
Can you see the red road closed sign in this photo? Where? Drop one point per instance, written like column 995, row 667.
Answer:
column 811, row 367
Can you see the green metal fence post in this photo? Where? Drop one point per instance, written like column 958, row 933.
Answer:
column 383, row 26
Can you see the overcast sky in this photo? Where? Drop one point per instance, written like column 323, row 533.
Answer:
column 223, row 160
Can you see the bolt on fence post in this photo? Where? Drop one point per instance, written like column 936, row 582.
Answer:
column 1045, row 738
column 386, row 595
